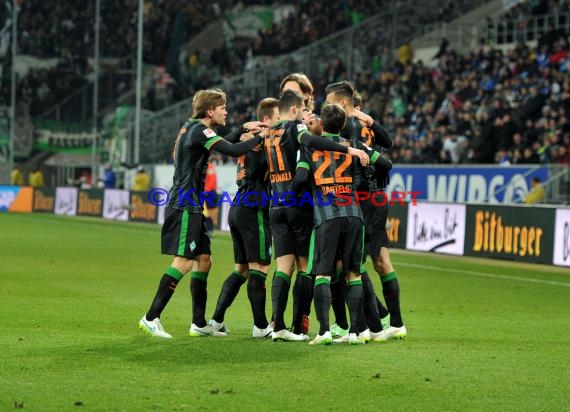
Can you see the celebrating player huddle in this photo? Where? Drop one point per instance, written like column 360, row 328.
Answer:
column 310, row 169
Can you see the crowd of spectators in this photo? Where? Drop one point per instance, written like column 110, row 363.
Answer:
column 312, row 21
column 488, row 106
column 66, row 31
column 309, row 21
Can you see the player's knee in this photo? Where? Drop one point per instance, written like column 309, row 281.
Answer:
column 242, row 269
column 353, row 276
column 302, row 264
column 182, row 264
column 377, row 263
column 262, row 267
column 204, row 263
column 382, row 263
column 381, row 266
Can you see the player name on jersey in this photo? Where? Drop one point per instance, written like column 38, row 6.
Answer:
column 280, row 177
column 325, row 190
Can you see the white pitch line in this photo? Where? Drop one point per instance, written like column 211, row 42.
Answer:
column 485, row 275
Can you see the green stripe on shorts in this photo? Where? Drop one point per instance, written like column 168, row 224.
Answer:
column 311, row 252
column 261, row 229
column 183, row 233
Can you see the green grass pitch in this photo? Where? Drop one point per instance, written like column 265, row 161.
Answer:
column 482, row 335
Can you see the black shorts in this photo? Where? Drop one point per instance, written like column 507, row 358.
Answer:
column 341, row 239
column 376, row 236
column 291, row 229
column 250, row 231
column 184, row 234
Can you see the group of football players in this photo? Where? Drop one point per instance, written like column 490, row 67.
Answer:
column 291, row 156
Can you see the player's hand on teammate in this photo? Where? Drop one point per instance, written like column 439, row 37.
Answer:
column 308, row 116
column 248, row 136
column 363, row 117
column 255, row 126
column 315, row 125
column 361, row 154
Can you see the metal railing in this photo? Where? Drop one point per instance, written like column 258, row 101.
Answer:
column 511, row 184
column 506, row 31
column 503, row 31
column 558, row 184
column 354, row 47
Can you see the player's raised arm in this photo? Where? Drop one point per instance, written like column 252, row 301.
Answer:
column 381, row 136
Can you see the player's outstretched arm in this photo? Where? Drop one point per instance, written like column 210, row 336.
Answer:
column 253, row 127
column 236, row 149
column 376, row 159
column 322, row 143
column 380, row 162
column 361, row 154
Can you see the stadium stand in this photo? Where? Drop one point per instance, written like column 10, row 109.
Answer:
column 486, row 106
column 65, row 32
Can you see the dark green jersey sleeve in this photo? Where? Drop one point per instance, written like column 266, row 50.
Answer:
column 206, row 137
column 236, row 149
column 308, row 139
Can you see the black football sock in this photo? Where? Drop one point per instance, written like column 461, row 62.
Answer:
column 370, row 304
column 279, row 296
column 307, row 308
column 164, row 292
column 391, row 291
column 199, row 292
column 301, row 295
column 338, row 292
column 257, row 294
column 323, row 303
column 382, row 311
column 354, row 303
column 229, row 291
